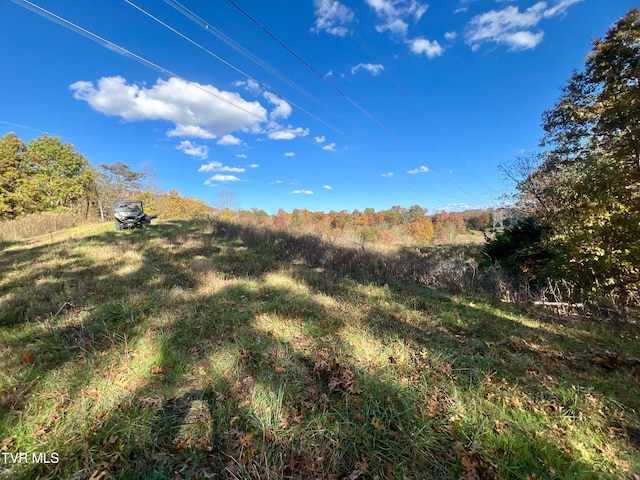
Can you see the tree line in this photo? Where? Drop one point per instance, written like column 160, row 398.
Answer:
column 581, row 194
column 45, row 175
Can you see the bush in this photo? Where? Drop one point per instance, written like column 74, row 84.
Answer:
column 520, row 249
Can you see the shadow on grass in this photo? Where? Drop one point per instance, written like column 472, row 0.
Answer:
column 264, row 377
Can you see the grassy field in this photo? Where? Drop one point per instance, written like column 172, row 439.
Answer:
column 187, row 351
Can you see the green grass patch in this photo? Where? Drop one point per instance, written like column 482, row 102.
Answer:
column 175, row 353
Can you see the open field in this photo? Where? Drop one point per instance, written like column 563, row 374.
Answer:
column 190, row 351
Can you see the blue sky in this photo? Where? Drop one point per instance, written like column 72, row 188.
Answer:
column 317, row 104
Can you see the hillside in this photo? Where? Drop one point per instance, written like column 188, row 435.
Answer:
column 195, row 350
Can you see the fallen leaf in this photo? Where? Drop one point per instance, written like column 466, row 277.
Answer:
column 499, row 427
column 377, row 425
column 469, row 468
column 388, row 472
column 179, row 446
column 6, row 443
column 91, row 392
column 160, row 369
column 27, row 357
column 245, row 440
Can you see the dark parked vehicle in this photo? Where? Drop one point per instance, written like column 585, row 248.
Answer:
column 130, row 214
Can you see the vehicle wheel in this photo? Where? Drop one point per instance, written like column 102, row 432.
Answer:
column 118, row 225
column 144, row 226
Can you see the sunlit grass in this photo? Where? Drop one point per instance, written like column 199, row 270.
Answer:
column 173, row 352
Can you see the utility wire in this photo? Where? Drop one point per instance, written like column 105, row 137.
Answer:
column 369, row 51
column 266, row 88
column 346, row 97
column 214, row 31
column 127, row 53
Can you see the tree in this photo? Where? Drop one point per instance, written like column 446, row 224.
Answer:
column 60, row 175
column 420, row 229
column 586, row 186
column 17, row 195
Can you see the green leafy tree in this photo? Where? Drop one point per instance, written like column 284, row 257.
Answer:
column 60, row 176
column 17, row 195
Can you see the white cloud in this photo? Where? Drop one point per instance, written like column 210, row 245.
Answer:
column 278, row 181
column 420, row 169
column 395, row 26
column 560, row 8
column 373, row 69
column 241, row 155
column 330, row 148
column 290, row 154
column 393, row 14
column 210, row 167
column 254, row 165
column 513, row 28
column 196, row 151
column 302, row 192
column 250, row 85
column 388, row 174
column 327, row 187
column 229, row 140
column 222, row 178
column 193, row 131
column 392, row 9
column 332, row 17
column 430, row 49
column 219, row 167
column 289, row 134
column 450, row 36
column 282, row 110
column 196, row 110
column 319, row 139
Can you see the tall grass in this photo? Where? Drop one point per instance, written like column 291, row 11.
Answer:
column 39, row 223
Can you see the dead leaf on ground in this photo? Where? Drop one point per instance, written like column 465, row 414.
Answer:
column 91, row 392
column 499, row 427
column 102, row 414
column 160, row 369
column 178, row 447
column 27, row 357
column 6, row 443
column 388, row 472
column 377, row 425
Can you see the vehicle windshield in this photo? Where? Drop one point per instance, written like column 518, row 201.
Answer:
column 128, row 206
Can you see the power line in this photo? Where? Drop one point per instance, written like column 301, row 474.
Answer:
column 369, row 51
column 346, row 97
column 127, row 53
column 214, row 31
column 266, row 88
